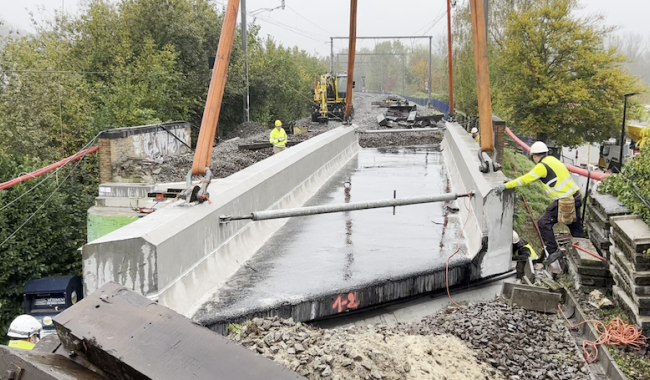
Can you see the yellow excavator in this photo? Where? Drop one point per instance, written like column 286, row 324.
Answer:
column 329, row 97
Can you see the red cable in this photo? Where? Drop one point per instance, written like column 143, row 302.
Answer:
column 48, row 168
column 469, row 196
column 594, row 254
column 573, row 169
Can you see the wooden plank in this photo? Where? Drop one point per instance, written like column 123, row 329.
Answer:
column 130, row 337
column 263, row 145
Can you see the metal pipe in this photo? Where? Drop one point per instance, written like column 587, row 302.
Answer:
column 401, row 130
column 352, row 46
column 315, row 210
column 203, row 152
column 244, row 42
column 331, row 55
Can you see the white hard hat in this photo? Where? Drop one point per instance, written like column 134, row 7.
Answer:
column 24, row 326
column 515, row 237
column 474, row 130
column 538, row 147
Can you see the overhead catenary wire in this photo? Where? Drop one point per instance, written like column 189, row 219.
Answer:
column 48, row 198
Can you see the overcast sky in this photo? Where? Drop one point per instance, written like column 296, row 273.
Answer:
column 309, row 23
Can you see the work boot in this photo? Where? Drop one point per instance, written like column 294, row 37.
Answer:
column 552, row 257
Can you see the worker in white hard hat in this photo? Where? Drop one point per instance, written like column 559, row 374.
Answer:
column 559, row 186
column 26, row 331
column 278, row 138
column 521, row 251
column 475, row 135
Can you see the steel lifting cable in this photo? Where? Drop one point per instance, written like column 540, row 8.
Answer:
column 616, row 333
column 469, row 196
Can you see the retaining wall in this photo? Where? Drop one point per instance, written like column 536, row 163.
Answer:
column 180, row 254
column 488, row 222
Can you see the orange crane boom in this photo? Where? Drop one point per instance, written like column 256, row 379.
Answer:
column 203, row 152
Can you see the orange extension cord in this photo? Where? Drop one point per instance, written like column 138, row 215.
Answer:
column 469, row 196
column 617, row 332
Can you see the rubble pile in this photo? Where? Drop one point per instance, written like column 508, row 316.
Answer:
column 404, row 114
column 520, row 344
column 373, row 352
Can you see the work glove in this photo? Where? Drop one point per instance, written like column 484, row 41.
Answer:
column 281, row 139
column 499, row 189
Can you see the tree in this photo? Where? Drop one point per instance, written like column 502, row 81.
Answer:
column 558, row 78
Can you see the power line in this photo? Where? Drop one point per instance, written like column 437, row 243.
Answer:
column 97, row 72
column 441, row 13
column 309, row 21
column 48, row 198
column 303, row 33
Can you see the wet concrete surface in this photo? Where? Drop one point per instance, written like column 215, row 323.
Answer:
column 333, row 263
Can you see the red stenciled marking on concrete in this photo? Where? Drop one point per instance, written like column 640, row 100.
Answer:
column 344, row 304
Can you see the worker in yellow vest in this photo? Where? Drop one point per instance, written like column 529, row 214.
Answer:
column 278, row 138
column 26, row 331
column 559, row 186
column 521, row 251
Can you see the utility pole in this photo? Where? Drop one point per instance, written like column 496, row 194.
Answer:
column 622, row 142
column 244, row 42
column 429, row 100
column 351, row 51
column 331, row 55
column 449, row 59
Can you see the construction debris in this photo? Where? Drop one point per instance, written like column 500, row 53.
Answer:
column 598, row 300
column 127, row 336
column 404, row 114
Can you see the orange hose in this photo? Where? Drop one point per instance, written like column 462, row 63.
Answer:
column 617, row 332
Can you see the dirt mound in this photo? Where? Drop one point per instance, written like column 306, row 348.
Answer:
column 362, row 352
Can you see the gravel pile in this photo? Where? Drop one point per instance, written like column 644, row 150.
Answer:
column 362, row 352
column 520, row 344
column 481, row 341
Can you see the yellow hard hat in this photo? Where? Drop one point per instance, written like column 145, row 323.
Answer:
column 278, row 123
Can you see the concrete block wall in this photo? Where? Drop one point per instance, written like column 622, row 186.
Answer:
column 180, row 254
column 488, row 218
column 145, row 142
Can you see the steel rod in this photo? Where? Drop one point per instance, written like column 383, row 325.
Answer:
column 316, row 210
column 401, row 130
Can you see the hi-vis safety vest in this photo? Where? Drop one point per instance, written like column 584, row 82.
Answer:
column 533, row 255
column 554, row 176
column 278, row 138
column 22, row 344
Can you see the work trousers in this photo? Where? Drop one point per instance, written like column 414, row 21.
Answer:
column 549, row 219
column 278, row 149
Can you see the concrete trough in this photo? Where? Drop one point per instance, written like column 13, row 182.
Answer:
column 326, row 265
column 180, row 253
